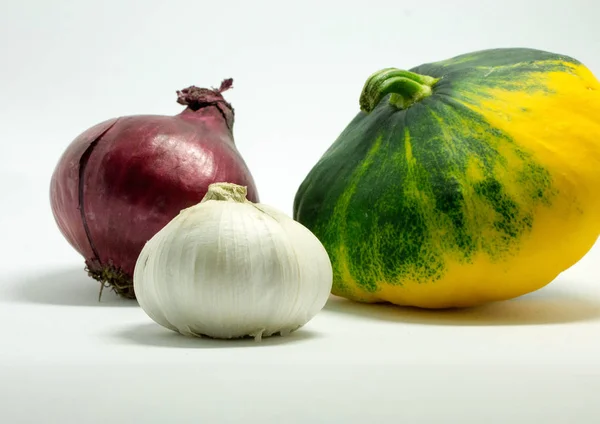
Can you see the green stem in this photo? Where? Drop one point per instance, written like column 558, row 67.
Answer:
column 406, row 88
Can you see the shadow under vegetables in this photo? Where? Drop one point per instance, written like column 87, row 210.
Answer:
column 65, row 287
column 544, row 307
column 152, row 334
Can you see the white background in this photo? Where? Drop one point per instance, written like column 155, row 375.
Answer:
column 298, row 69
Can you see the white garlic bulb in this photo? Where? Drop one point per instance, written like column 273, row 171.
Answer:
column 229, row 268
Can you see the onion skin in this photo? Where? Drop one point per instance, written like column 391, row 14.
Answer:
column 121, row 181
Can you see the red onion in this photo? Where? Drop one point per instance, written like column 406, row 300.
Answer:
column 121, row 181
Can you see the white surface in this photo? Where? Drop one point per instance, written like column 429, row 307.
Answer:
column 298, row 70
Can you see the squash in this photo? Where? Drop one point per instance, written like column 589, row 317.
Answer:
column 460, row 182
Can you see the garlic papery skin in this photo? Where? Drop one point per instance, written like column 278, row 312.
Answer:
column 230, row 268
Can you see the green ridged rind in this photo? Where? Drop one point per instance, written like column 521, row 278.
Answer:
column 402, row 191
column 466, row 75
column 502, row 59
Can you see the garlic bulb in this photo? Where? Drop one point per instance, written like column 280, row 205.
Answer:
column 229, row 268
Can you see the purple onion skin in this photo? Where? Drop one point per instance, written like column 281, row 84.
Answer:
column 121, row 181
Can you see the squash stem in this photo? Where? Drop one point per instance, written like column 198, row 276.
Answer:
column 406, row 88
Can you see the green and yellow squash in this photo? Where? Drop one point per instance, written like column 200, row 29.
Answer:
column 460, row 182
